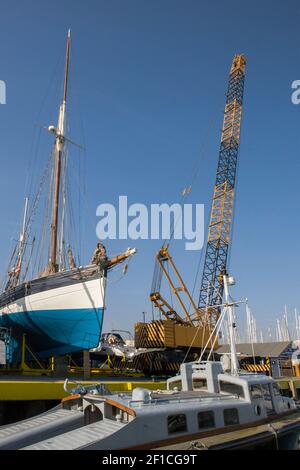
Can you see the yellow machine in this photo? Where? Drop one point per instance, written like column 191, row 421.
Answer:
column 176, row 338
column 191, row 331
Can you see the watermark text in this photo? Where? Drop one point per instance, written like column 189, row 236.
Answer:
column 2, row 92
column 158, row 221
column 296, row 94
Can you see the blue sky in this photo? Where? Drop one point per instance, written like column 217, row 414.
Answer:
column 148, row 83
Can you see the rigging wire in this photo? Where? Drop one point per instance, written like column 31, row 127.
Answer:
column 196, row 168
column 32, row 212
column 87, row 205
column 185, row 193
column 32, row 164
column 205, row 323
column 29, row 260
column 188, row 189
column 42, row 246
column 72, row 234
column 37, row 199
column 13, row 255
column 80, row 168
column 119, row 268
column 214, row 333
column 33, row 160
column 48, row 95
column 32, row 175
column 61, row 250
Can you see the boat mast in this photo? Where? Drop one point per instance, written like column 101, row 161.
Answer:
column 230, row 311
column 22, row 242
column 58, row 149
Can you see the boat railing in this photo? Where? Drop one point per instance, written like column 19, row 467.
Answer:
column 157, row 401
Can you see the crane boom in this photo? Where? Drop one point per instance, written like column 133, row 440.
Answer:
column 183, row 336
column 181, row 292
column 219, row 230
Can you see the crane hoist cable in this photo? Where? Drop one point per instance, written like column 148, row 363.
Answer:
column 221, row 216
column 157, row 274
column 194, row 174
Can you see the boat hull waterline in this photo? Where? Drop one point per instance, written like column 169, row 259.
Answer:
column 64, row 316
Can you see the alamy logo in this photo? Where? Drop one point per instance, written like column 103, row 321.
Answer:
column 2, row 92
column 159, row 221
column 296, row 94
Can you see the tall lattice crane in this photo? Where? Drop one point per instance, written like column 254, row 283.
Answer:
column 221, row 217
column 190, row 329
column 219, row 230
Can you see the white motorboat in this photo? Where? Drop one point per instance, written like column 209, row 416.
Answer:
column 203, row 400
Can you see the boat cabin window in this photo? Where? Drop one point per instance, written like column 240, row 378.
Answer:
column 198, row 384
column 92, row 414
column 115, row 413
column 268, row 399
column 231, row 416
column 206, row 419
column 176, row 385
column 255, row 391
column 276, row 390
column 233, row 389
column 177, row 423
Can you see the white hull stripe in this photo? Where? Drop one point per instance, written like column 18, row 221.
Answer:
column 88, row 294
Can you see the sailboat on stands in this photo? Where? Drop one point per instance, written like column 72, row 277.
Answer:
column 61, row 309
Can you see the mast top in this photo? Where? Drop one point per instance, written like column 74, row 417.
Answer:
column 67, row 65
